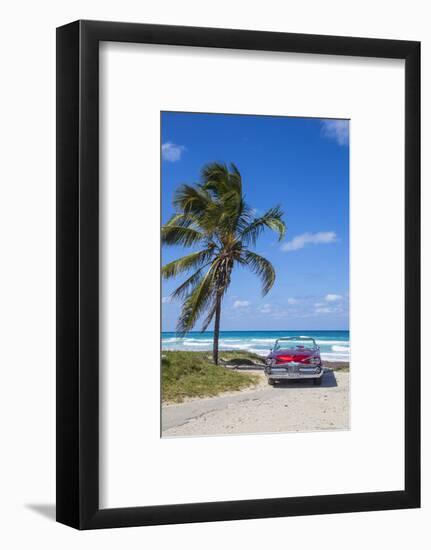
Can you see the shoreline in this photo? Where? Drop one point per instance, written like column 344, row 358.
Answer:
column 333, row 364
column 334, row 344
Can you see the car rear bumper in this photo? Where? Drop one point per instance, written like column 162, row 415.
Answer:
column 292, row 374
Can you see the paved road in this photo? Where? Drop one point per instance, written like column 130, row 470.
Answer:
column 297, row 406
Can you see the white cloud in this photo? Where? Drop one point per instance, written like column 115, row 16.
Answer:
column 323, row 310
column 172, row 152
column 298, row 242
column 273, row 311
column 240, row 303
column 336, row 129
column 333, row 304
column 166, row 300
column 333, row 297
column 292, row 301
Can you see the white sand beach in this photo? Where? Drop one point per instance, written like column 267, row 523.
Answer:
column 294, row 407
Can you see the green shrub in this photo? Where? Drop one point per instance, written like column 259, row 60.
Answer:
column 192, row 374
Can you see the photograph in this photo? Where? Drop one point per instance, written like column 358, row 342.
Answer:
column 213, row 248
column 255, row 274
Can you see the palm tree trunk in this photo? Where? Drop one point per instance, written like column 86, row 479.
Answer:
column 216, row 329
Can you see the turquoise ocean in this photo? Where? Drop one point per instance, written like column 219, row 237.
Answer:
column 334, row 344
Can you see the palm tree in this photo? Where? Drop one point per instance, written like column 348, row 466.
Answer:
column 213, row 216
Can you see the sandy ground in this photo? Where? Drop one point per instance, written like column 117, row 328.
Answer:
column 297, row 406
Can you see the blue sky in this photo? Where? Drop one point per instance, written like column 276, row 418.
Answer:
column 301, row 164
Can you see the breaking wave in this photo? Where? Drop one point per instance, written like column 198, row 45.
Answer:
column 334, row 345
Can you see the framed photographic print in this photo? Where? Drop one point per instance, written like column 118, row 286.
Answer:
column 238, row 283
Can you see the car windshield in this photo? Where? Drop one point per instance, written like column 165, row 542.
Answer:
column 295, row 344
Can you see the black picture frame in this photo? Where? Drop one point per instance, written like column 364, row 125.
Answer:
column 78, row 274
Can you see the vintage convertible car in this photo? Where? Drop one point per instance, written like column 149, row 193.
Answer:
column 294, row 358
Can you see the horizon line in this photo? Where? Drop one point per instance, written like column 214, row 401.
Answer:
column 268, row 330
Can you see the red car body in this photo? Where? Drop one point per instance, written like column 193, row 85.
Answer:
column 297, row 356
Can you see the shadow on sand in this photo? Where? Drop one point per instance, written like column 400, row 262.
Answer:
column 328, row 381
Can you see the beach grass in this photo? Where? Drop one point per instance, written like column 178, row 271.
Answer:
column 187, row 374
column 338, row 366
column 240, row 357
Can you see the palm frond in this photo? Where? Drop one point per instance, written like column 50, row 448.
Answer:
column 222, row 183
column 261, row 267
column 272, row 219
column 215, row 178
column 181, row 219
column 235, row 179
column 188, row 285
column 196, row 303
column 231, row 208
column 192, row 199
column 186, row 263
column 210, row 315
column 179, row 235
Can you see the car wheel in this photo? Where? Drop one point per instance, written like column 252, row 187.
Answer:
column 271, row 382
column 317, row 381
